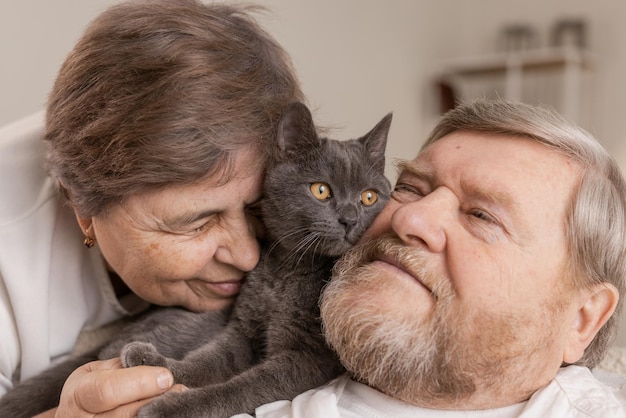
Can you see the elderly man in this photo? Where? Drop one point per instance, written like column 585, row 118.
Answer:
column 488, row 285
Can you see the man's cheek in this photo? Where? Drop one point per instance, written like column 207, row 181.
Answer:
column 381, row 224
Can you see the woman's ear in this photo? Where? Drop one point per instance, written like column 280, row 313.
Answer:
column 85, row 225
column 596, row 307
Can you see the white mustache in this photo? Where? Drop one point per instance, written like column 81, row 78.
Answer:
column 392, row 250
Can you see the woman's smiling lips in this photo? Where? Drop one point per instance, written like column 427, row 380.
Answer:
column 223, row 289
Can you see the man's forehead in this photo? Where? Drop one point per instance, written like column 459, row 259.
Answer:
column 519, row 175
column 506, row 146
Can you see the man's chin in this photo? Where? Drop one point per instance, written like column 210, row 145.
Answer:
column 383, row 343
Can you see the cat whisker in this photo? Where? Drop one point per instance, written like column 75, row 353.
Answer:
column 284, row 237
column 299, row 248
column 304, row 247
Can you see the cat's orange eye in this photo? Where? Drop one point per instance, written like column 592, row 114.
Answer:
column 369, row 197
column 321, row 191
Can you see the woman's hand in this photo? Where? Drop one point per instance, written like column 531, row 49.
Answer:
column 105, row 388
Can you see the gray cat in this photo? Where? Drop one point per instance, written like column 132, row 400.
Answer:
column 319, row 198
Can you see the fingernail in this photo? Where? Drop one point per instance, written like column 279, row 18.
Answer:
column 165, row 380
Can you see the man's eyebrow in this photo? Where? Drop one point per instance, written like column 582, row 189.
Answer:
column 413, row 168
column 489, row 195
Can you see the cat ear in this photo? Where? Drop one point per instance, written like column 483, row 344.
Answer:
column 375, row 142
column 296, row 129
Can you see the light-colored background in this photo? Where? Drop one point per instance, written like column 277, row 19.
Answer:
column 357, row 59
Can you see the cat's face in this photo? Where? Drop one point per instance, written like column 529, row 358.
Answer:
column 324, row 203
column 323, row 194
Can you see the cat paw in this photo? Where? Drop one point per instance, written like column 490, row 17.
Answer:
column 141, row 354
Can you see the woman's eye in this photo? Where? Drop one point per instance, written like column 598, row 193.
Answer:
column 369, row 197
column 320, row 191
column 204, row 225
column 201, row 228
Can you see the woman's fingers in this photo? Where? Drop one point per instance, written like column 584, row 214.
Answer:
column 105, row 386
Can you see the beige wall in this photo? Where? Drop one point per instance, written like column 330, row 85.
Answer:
column 357, row 59
column 35, row 37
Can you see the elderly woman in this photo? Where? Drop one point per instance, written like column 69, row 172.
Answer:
column 157, row 132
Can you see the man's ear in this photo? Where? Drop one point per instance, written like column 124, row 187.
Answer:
column 596, row 307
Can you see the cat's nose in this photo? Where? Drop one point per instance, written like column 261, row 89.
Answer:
column 347, row 222
column 348, row 217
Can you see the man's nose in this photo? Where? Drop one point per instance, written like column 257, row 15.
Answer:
column 424, row 222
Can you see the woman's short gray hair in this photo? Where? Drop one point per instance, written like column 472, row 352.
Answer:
column 596, row 224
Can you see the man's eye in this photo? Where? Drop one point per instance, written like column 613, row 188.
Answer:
column 484, row 217
column 404, row 193
column 477, row 213
column 406, row 188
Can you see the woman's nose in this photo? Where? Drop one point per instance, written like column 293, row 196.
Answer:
column 424, row 222
column 240, row 248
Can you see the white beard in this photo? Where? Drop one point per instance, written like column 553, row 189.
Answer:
column 440, row 360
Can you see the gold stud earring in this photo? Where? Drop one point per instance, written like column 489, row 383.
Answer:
column 89, row 241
